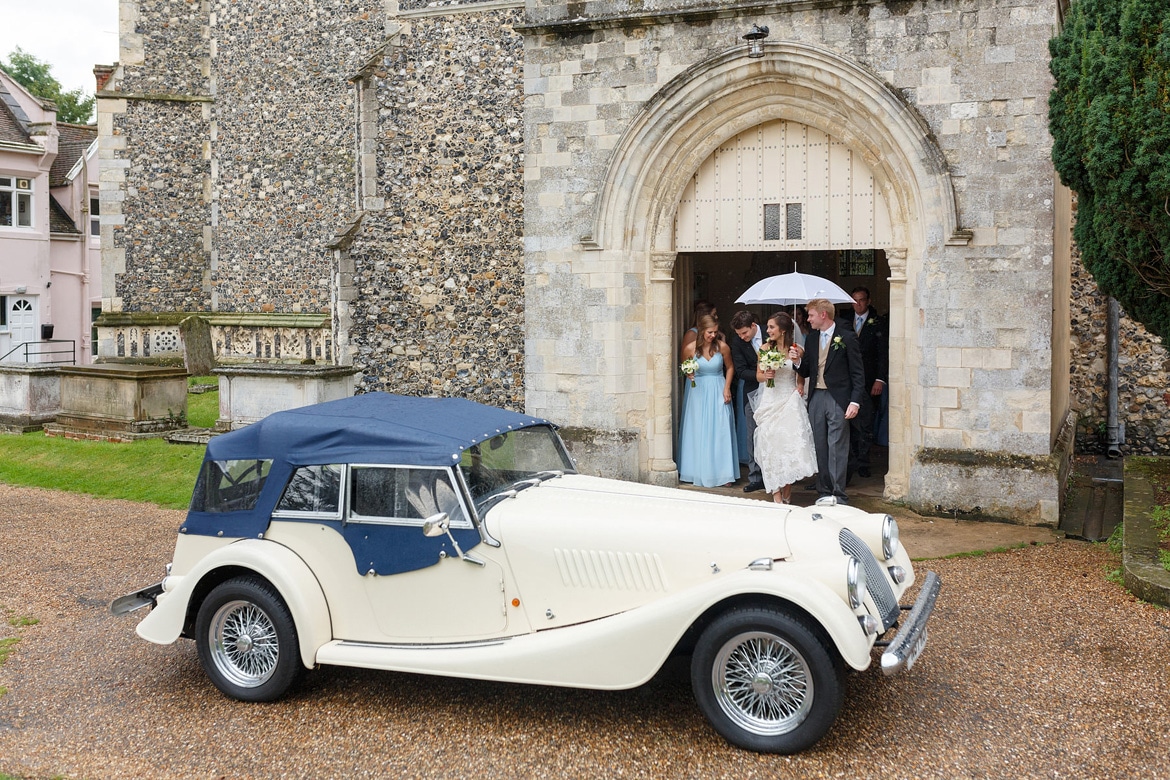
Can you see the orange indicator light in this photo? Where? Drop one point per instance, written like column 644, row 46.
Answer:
column 515, row 602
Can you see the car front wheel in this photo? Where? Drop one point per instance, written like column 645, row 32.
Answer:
column 766, row 681
column 247, row 640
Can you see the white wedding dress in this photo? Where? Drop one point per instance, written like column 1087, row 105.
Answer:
column 784, row 443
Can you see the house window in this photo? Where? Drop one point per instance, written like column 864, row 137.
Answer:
column 3, row 312
column 95, row 214
column 16, row 202
column 94, row 313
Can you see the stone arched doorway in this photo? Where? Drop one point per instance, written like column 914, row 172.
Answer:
column 716, row 100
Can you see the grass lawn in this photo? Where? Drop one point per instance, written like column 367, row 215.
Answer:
column 150, row 470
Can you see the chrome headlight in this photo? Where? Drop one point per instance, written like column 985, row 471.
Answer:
column 889, row 537
column 855, row 578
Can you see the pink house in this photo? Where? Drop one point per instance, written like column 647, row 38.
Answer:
column 50, row 257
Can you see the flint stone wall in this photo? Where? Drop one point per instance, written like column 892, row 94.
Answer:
column 230, row 139
column 1143, row 380
column 438, row 271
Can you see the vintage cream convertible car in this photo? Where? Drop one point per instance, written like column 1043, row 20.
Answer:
column 440, row 536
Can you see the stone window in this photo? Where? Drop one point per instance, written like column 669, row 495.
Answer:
column 16, row 202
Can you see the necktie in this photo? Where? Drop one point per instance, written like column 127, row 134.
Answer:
column 859, row 320
column 824, row 339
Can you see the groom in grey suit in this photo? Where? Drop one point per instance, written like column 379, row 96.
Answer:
column 831, row 362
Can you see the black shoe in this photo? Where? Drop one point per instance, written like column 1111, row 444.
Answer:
column 752, row 487
column 864, row 472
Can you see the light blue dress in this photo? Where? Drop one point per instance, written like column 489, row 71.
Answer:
column 707, row 451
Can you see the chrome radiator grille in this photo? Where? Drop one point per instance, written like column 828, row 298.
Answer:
column 878, row 582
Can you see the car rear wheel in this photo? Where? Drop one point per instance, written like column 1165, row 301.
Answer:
column 766, row 681
column 247, row 640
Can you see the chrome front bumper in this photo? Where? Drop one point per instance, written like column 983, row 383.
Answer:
column 905, row 648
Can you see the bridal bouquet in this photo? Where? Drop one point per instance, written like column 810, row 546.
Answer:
column 771, row 360
column 689, row 367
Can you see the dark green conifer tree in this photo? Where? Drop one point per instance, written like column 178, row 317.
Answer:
column 1109, row 116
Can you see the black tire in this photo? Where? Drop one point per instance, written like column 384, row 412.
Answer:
column 766, row 681
column 247, row 640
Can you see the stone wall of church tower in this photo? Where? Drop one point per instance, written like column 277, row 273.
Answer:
column 229, row 149
column 438, row 276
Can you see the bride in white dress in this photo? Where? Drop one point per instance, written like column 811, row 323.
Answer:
column 784, row 444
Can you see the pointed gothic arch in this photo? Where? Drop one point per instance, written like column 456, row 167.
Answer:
column 713, row 101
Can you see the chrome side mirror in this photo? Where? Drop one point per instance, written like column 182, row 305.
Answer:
column 436, row 525
column 439, row 524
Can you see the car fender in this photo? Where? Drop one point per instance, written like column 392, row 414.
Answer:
column 286, row 571
column 798, row 584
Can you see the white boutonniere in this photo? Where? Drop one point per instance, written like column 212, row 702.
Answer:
column 837, row 343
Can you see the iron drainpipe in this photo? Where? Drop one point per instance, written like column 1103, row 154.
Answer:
column 1112, row 425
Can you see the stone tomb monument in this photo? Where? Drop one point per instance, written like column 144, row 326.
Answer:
column 120, row 402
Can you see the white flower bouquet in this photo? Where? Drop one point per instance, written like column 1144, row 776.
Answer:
column 771, row 360
column 689, row 367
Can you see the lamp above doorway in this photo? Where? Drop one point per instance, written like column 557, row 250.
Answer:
column 755, row 38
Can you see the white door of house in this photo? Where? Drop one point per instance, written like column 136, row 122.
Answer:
column 22, row 324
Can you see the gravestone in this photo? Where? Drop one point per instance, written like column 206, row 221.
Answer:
column 198, row 353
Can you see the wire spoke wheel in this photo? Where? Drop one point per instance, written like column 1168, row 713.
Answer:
column 762, row 683
column 247, row 640
column 767, row 680
column 244, row 644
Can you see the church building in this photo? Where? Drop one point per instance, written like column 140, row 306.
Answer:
column 518, row 202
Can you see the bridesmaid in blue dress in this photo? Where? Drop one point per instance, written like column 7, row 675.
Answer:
column 707, row 451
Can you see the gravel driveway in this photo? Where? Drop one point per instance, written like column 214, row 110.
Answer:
column 1036, row 667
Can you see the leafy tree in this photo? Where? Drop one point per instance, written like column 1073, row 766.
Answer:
column 1109, row 115
column 36, row 76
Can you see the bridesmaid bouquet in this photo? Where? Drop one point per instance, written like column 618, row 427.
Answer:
column 689, row 367
column 771, row 360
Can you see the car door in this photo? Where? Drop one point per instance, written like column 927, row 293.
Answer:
column 385, row 580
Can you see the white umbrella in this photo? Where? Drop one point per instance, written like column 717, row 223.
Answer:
column 793, row 288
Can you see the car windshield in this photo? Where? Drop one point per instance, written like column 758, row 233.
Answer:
column 513, row 461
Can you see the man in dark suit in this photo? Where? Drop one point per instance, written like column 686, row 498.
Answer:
column 871, row 337
column 831, row 362
column 745, row 353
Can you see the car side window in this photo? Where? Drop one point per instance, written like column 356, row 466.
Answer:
column 229, row 485
column 315, row 489
column 404, row 494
